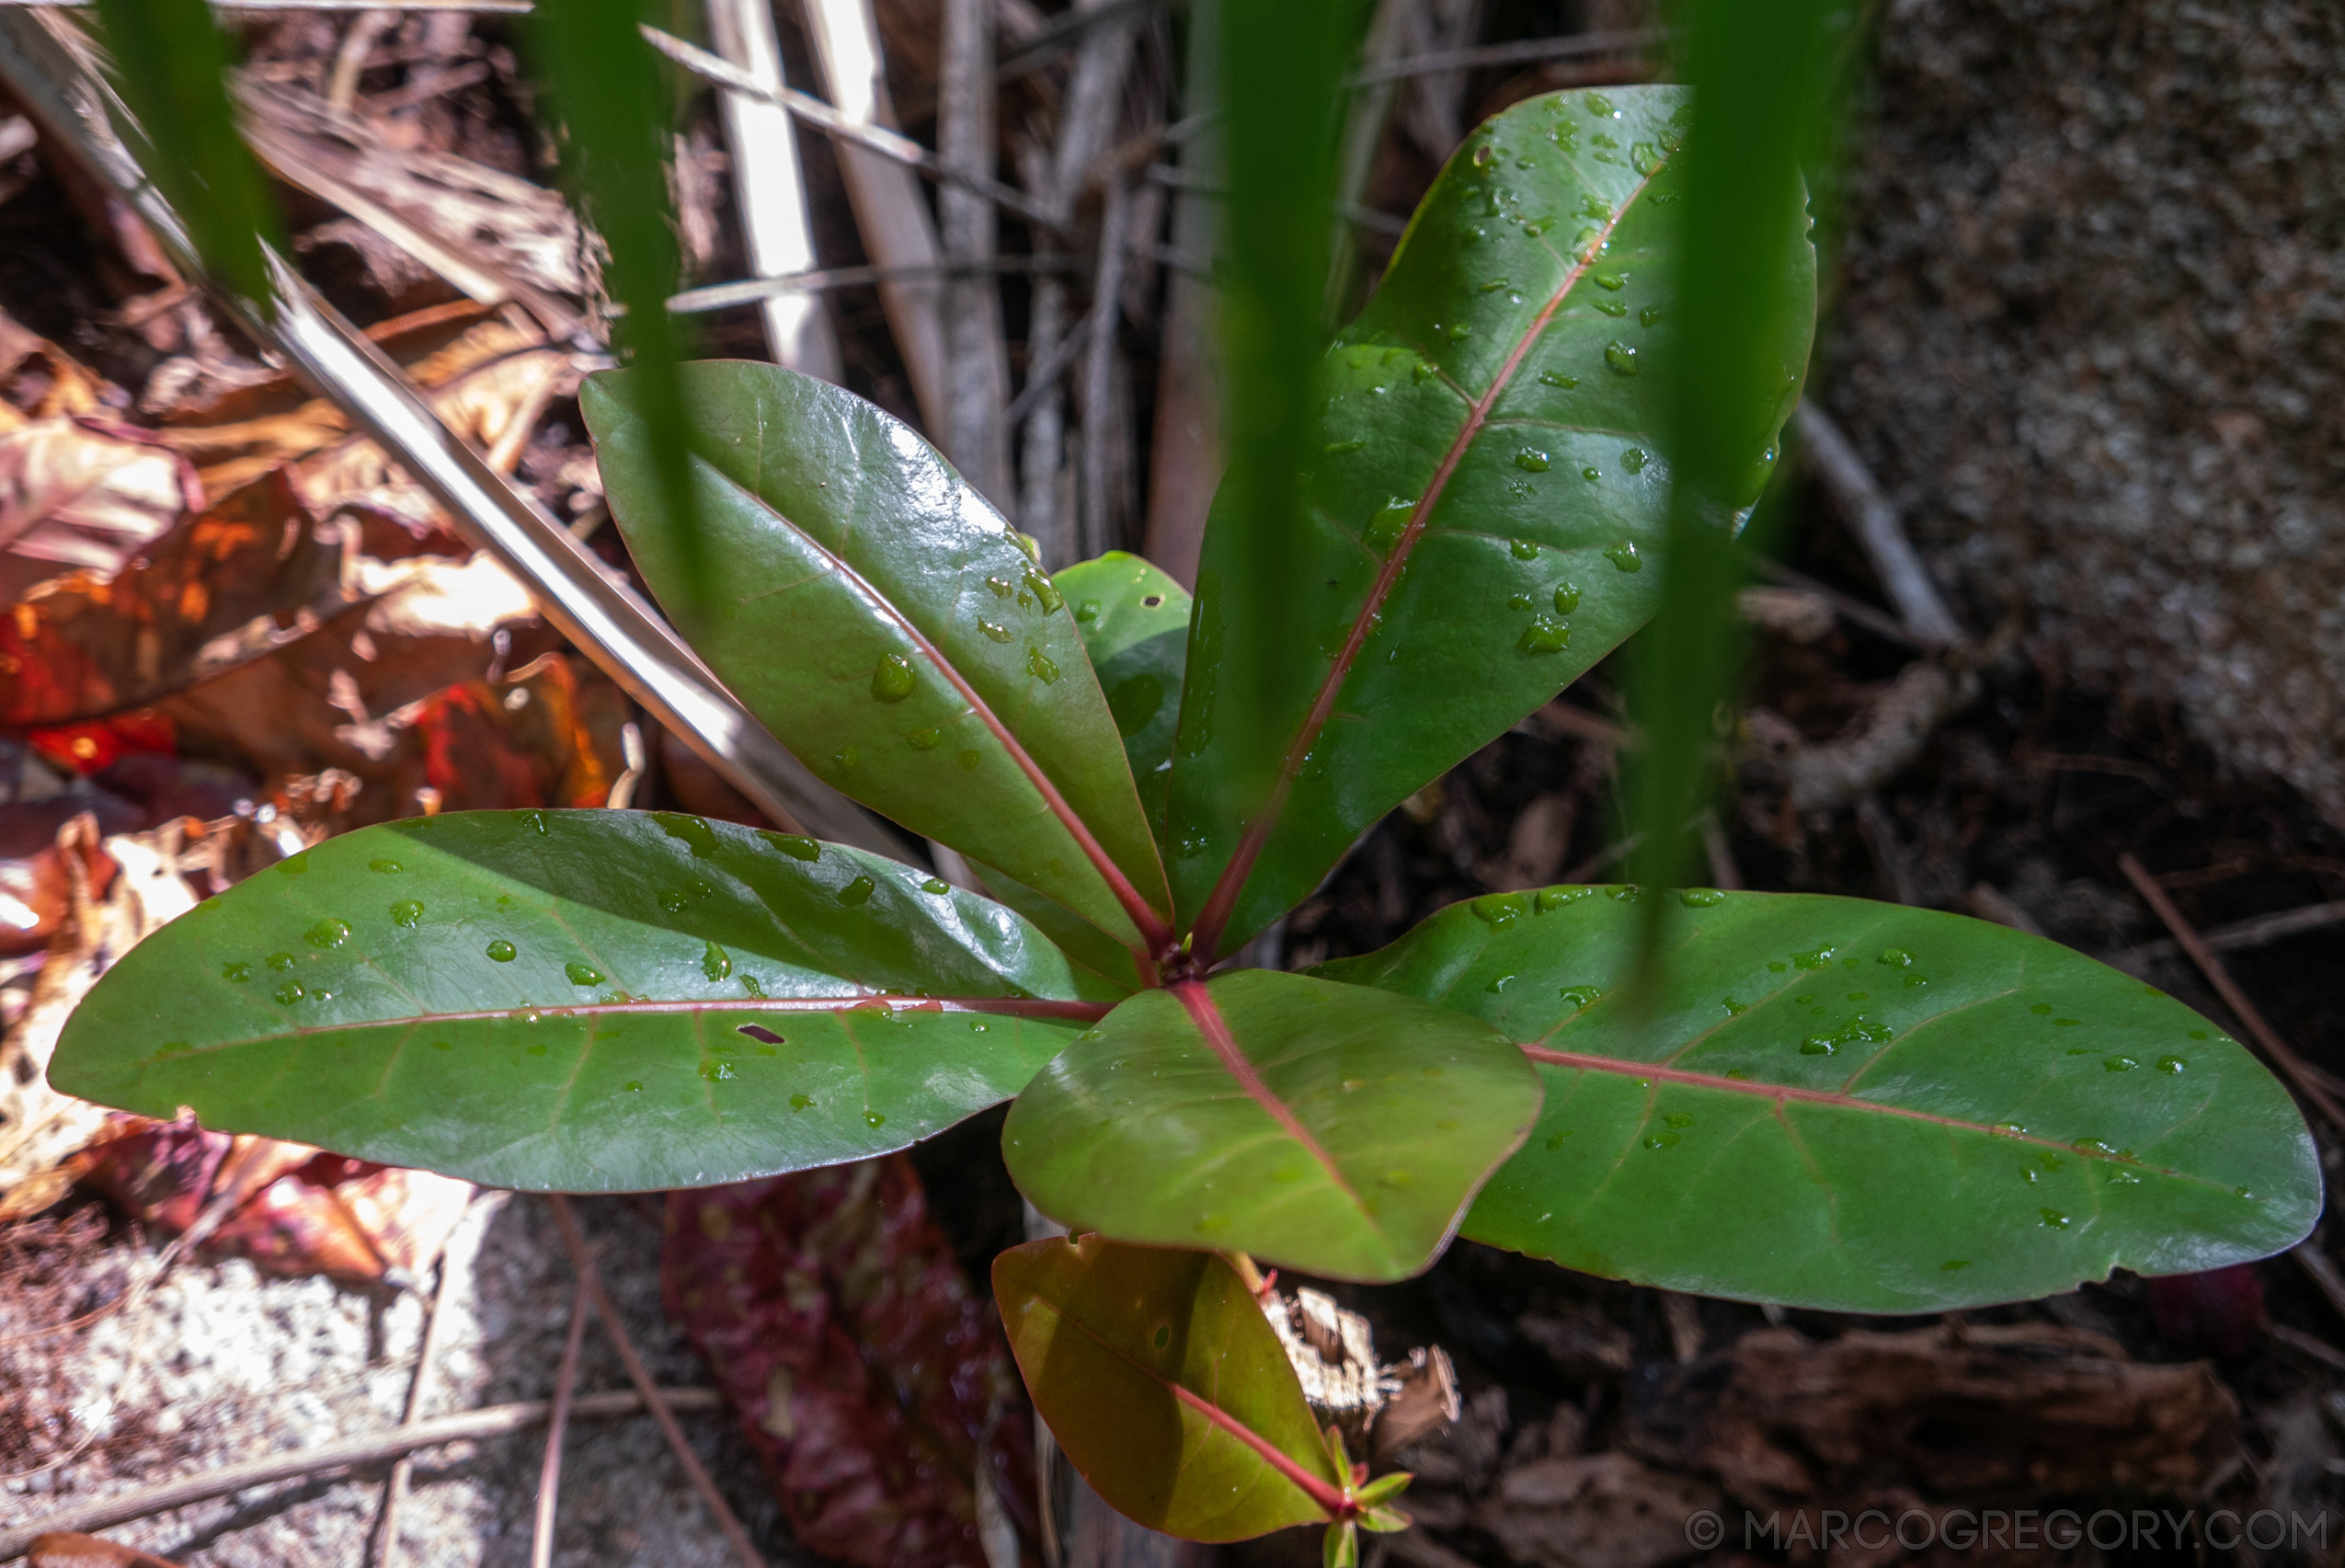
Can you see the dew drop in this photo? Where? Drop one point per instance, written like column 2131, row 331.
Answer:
column 1544, row 634
column 1735, row 1009
column 2119, row 1063
column 936, row 885
column 1557, row 378
column 1344, row 448
column 1644, row 158
column 846, row 758
column 1500, row 983
column 1581, row 997
column 633, row 1086
column 673, row 902
column 1567, row 597
column 1634, row 460
column 502, row 951
column 1591, row 473
column 1556, row 898
column 327, row 934
column 715, row 962
column 1819, row 1046
column 279, row 961
column 1624, row 556
column 800, row 1102
column 969, row 759
column 1523, row 549
column 1664, row 1140
column 2051, row 1220
column 1044, row 591
column 924, row 739
column 1621, row 357
column 384, row 865
column 1701, row 898
column 582, row 974
column 1612, row 307
column 1497, row 911
column 1041, row 665
column 2171, row 1064
column 408, row 912
column 892, row 678
column 289, row 993
column 1384, row 529
column 872, row 1118
column 995, row 630
column 1611, row 281
column 1530, row 460
column 1817, row 959
column 859, row 891
column 1648, row 316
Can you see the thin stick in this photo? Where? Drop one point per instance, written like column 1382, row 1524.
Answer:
column 1522, row 52
column 891, row 214
column 2252, row 933
column 549, row 1471
column 591, row 1281
column 750, row 291
column 892, row 144
column 2265, row 1036
column 1042, row 377
column 394, row 1491
column 2323, row 1270
column 491, row 1420
column 769, row 188
column 1874, row 522
column 1099, row 369
column 976, row 359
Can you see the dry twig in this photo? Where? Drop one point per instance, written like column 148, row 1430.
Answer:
column 2250, row 1018
column 591, row 1281
column 492, row 1421
column 549, row 1471
column 1874, row 522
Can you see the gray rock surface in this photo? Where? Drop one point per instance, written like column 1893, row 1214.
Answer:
column 219, row 1364
column 2090, row 338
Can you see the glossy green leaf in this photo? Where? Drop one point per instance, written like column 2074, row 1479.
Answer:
column 1319, row 1126
column 1166, row 1388
column 1855, row 1106
column 169, row 57
column 1135, row 623
column 1490, row 488
column 580, row 1000
column 1085, row 945
column 875, row 613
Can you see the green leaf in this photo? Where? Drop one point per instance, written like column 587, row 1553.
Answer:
column 1084, row 944
column 1453, row 567
column 1855, row 1106
column 876, row 615
column 1166, row 1388
column 1135, row 623
column 170, row 59
column 1314, row 1126
column 580, row 1000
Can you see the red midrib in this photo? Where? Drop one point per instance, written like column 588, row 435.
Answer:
column 859, row 1001
column 1779, row 1092
column 1315, row 1487
column 1154, row 931
column 1216, row 1030
column 1219, row 904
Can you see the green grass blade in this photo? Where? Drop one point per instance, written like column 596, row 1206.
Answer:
column 615, row 109
column 1280, row 67
column 1758, row 76
column 170, row 59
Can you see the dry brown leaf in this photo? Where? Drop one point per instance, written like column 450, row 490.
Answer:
column 64, row 1549
column 79, row 495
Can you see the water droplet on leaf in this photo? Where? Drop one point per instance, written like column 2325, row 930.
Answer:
column 892, row 678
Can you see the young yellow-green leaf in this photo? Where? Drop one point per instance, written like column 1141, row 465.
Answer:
column 1855, row 1106
column 1135, row 622
column 581, row 1000
column 1319, row 1126
column 875, row 613
column 1490, row 487
column 1161, row 1380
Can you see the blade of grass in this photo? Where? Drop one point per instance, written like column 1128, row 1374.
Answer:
column 1758, row 75
column 606, row 86
column 170, row 62
column 1280, row 66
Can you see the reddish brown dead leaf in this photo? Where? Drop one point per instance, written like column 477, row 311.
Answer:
column 62, row 1550
column 872, row 1381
